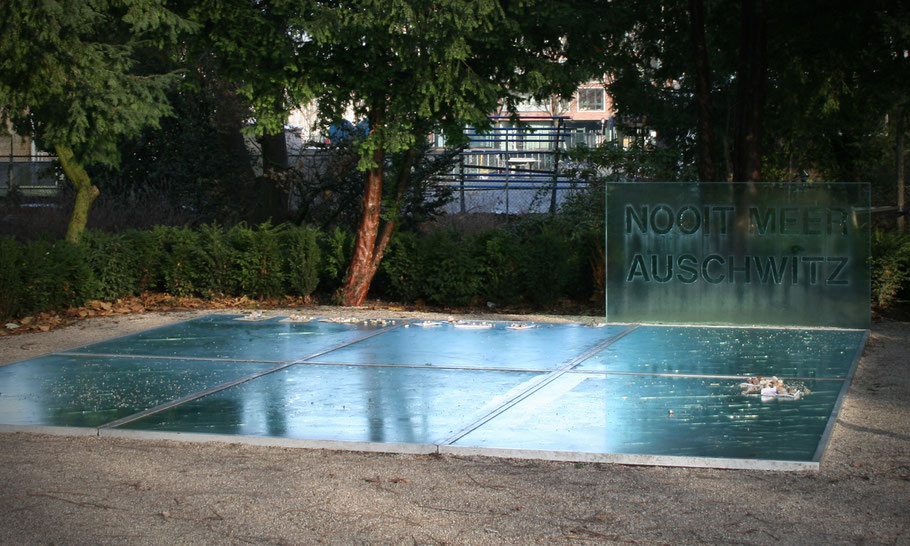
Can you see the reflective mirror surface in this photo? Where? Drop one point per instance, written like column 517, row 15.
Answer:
column 75, row 391
column 223, row 336
column 349, row 403
column 546, row 346
column 632, row 414
column 648, row 390
column 731, row 351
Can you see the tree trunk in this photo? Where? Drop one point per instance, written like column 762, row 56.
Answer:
column 707, row 171
column 403, row 179
column 750, row 94
column 85, row 192
column 368, row 256
column 901, row 169
column 360, row 272
column 229, row 118
column 271, row 199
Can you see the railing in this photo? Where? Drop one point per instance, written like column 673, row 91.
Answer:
column 28, row 177
column 511, row 170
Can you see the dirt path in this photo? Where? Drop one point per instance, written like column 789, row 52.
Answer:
column 89, row 490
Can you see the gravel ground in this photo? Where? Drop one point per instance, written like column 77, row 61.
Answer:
column 90, row 490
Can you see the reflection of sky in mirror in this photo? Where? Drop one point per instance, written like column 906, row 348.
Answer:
column 91, row 391
column 220, row 336
column 545, row 347
column 631, row 414
column 349, row 403
column 731, row 351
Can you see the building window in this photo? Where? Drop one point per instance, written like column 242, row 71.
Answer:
column 591, row 99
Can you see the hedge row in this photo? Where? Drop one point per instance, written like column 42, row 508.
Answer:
column 264, row 262
column 537, row 266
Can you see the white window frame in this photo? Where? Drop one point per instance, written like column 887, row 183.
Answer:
column 603, row 99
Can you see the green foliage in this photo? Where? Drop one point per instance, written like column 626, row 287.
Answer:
column 637, row 162
column 456, row 60
column 258, row 262
column 41, row 275
column 114, row 265
column 337, row 248
column 218, row 256
column 69, row 76
column 401, row 270
column 70, row 79
column 451, row 273
column 835, row 73
column 890, row 267
column 183, row 161
column 300, row 249
column 10, row 277
column 329, row 189
column 182, row 265
column 265, row 262
column 538, row 264
column 146, row 249
column 548, row 264
column 441, row 268
column 500, row 253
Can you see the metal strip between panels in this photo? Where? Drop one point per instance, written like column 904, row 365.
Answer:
column 224, row 386
column 534, row 386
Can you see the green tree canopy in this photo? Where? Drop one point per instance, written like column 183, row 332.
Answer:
column 832, row 76
column 70, row 77
column 410, row 68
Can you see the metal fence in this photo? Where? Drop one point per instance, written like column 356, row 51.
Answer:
column 29, row 178
column 511, row 170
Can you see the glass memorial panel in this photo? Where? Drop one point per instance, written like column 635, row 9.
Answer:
column 78, row 391
column 224, row 336
column 713, row 350
column 651, row 415
column 545, row 346
column 345, row 403
column 786, row 254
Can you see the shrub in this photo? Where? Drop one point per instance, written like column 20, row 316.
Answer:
column 500, row 254
column 113, row 262
column 10, row 279
column 300, row 250
column 51, row 275
column 147, row 254
column 442, row 268
column 336, row 249
column 890, row 268
column 401, row 269
column 451, row 272
column 182, row 266
column 257, row 266
column 549, row 265
column 219, row 257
